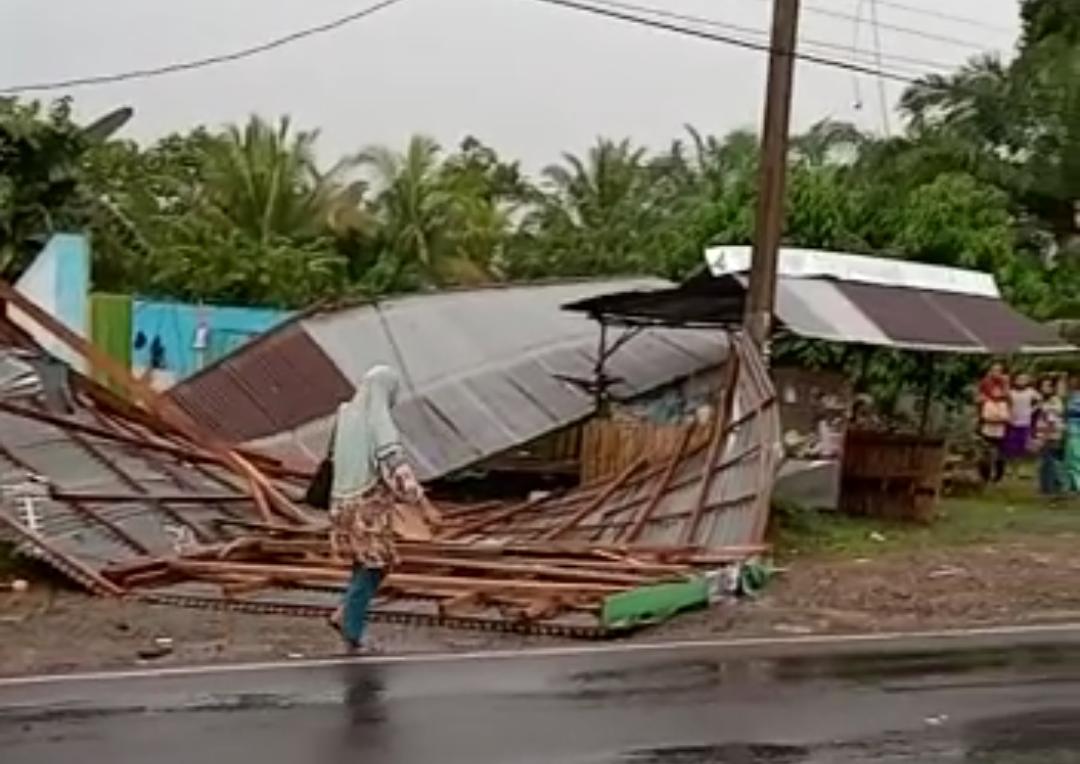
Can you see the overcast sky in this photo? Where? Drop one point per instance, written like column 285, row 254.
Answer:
column 530, row 79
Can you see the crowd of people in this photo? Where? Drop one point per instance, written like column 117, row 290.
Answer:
column 1021, row 418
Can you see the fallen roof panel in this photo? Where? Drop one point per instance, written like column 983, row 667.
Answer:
column 493, row 367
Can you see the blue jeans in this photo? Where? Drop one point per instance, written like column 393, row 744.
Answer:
column 358, row 597
column 1052, row 470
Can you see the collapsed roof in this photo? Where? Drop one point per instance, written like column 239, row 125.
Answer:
column 486, row 370
column 844, row 298
column 137, row 499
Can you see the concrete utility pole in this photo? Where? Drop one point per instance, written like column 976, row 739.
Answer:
column 772, row 173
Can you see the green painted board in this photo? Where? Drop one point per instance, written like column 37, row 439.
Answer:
column 653, row 604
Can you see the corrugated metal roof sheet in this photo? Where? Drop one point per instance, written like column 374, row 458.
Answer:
column 486, row 363
column 667, row 495
column 280, row 382
column 91, row 466
column 858, row 311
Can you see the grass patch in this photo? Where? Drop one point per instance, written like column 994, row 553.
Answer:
column 1008, row 511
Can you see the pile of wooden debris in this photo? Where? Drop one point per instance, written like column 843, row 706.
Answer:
column 136, row 499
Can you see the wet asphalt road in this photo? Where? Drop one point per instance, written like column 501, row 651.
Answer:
column 691, row 705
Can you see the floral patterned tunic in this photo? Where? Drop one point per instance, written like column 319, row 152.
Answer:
column 362, row 525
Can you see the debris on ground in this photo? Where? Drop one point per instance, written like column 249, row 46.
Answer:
column 137, row 499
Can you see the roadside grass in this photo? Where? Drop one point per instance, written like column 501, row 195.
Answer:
column 1008, row 511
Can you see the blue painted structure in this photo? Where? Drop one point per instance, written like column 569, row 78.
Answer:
column 166, row 336
column 58, row 281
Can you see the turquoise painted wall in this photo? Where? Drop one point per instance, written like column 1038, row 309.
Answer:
column 166, row 337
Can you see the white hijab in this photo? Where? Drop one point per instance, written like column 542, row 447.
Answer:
column 365, row 432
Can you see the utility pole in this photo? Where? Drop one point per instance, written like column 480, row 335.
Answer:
column 772, row 173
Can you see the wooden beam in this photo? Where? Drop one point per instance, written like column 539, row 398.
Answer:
column 124, row 477
column 479, row 524
column 201, row 568
column 661, row 487
column 164, row 408
column 719, row 439
column 597, row 502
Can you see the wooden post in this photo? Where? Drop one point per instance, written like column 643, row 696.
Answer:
column 772, row 173
column 928, row 392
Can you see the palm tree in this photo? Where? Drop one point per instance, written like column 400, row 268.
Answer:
column 1015, row 125
column 596, row 191
column 444, row 233
column 828, row 142
column 264, row 180
column 979, row 102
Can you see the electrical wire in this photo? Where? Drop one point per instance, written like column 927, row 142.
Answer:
column 883, row 96
column 200, row 63
column 934, row 13
column 737, row 42
column 856, row 83
column 764, row 33
column 898, row 28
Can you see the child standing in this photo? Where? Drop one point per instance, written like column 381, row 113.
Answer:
column 1050, row 436
column 1023, row 402
column 994, row 417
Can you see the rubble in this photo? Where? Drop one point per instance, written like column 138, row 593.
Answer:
column 140, row 500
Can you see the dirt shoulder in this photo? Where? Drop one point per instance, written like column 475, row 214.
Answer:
column 987, row 562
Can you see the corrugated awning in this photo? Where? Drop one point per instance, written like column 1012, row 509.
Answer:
column 834, row 306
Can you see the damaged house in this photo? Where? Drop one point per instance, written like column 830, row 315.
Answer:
column 193, row 498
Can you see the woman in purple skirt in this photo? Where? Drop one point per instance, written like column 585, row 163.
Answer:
column 1023, row 405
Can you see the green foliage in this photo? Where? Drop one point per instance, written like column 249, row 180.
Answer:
column 39, row 153
column 986, row 176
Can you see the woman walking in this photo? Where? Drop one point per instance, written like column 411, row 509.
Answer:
column 370, row 472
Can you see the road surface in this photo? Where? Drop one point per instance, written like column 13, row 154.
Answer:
column 691, row 704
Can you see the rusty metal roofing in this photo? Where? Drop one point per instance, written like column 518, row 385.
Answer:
column 485, row 371
column 286, row 381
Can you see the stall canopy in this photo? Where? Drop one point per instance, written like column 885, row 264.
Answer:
column 844, row 298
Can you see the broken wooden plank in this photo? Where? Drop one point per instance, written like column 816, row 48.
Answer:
column 597, row 502
column 659, row 490
column 716, row 446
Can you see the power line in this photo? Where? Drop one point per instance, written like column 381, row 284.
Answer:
column 883, row 97
column 726, row 39
column 934, row 13
column 200, row 63
column 900, row 29
column 764, row 34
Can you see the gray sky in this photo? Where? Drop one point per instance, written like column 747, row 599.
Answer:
column 529, row 79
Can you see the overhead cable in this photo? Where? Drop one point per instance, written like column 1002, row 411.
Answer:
column 199, row 63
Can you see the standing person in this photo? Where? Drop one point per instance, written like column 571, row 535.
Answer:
column 1072, row 435
column 1023, row 402
column 995, row 379
column 370, row 472
column 994, row 415
column 1050, row 436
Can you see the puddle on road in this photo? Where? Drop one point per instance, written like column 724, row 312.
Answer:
column 1043, row 737
column 875, row 668
column 732, row 753
column 656, row 678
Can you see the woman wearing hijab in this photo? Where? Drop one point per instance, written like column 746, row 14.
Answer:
column 370, row 472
